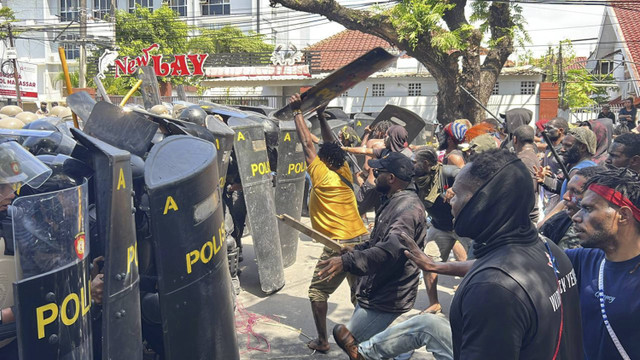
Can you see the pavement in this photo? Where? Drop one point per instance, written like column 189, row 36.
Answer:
column 278, row 326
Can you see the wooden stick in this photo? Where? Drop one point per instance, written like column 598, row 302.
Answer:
column 67, row 80
column 314, row 234
column 130, row 93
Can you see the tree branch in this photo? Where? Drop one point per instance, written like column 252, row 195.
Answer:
column 455, row 17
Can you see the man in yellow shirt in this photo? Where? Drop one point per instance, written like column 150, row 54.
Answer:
column 333, row 211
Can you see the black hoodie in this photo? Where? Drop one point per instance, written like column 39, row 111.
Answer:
column 510, row 304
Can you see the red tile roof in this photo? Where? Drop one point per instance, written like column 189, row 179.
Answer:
column 578, row 63
column 342, row 48
column 627, row 16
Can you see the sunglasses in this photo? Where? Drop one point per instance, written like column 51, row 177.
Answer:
column 377, row 172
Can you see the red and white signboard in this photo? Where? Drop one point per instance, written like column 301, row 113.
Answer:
column 28, row 82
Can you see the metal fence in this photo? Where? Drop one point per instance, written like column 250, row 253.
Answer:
column 271, row 101
column 577, row 115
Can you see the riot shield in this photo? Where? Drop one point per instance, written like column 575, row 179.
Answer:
column 112, row 191
column 150, row 90
column 253, row 165
column 126, row 130
column 224, row 143
column 52, row 294
column 187, row 226
column 289, row 187
column 403, row 117
column 81, row 103
column 361, row 121
column 340, row 81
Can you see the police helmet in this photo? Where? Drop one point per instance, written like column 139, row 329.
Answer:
column 159, row 110
column 27, row 117
column 55, row 143
column 11, row 110
column 19, row 167
column 41, row 124
column 194, row 114
column 11, row 123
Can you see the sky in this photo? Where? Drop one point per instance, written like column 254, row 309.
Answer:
column 547, row 25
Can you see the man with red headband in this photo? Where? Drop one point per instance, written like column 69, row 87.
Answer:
column 608, row 225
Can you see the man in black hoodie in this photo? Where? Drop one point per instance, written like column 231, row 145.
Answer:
column 519, row 299
column 388, row 283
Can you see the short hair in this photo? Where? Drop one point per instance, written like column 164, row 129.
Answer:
column 606, row 106
column 332, row 154
column 484, row 165
column 560, row 123
column 624, row 181
column 524, row 134
column 631, row 143
column 428, row 154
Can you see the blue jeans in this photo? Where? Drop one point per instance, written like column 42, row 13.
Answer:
column 365, row 323
column 428, row 330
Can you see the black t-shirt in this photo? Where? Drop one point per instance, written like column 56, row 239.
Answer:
column 610, row 115
column 508, row 307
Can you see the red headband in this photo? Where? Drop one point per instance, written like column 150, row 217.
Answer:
column 615, row 197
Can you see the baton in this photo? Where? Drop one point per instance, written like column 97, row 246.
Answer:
column 479, row 103
column 545, row 136
column 350, row 155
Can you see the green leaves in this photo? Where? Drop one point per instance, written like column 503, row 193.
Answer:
column 415, row 20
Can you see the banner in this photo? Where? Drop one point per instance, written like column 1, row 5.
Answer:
column 28, row 79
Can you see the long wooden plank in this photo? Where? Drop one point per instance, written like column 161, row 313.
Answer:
column 315, row 235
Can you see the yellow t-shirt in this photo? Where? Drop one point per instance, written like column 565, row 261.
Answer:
column 332, row 204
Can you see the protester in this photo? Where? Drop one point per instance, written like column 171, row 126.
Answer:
column 556, row 129
column 603, row 128
column 516, row 299
column 332, row 209
column 578, row 147
column 559, row 227
column 452, row 135
column 388, row 282
column 608, row 225
column 526, row 151
column 514, row 118
column 625, row 152
column 432, row 179
column 606, row 113
column 348, row 136
column 628, row 114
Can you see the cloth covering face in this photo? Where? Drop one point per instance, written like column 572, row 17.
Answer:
column 397, row 138
column 603, row 128
column 498, row 213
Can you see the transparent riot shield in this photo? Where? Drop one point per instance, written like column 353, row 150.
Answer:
column 52, row 292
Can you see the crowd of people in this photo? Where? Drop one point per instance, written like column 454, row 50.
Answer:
column 546, row 237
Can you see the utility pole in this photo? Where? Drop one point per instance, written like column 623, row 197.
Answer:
column 82, row 81
column 112, row 15
column 258, row 16
column 16, row 76
column 561, row 77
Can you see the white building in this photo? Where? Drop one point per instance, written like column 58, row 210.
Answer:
column 406, row 83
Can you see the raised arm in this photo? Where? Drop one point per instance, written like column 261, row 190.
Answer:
column 304, row 135
column 358, row 150
column 325, row 130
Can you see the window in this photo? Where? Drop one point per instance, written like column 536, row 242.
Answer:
column 101, row 8
column 71, row 49
column 68, row 10
column 143, row 3
column 215, row 7
column 496, row 89
column 179, row 6
column 377, row 90
column 415, row 89
column 527, row 88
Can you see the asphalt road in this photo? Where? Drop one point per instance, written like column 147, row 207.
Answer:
column 278, row 326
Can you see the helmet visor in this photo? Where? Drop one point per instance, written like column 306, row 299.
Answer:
column 19, row 167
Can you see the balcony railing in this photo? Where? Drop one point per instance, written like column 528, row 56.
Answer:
column 310, row 58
